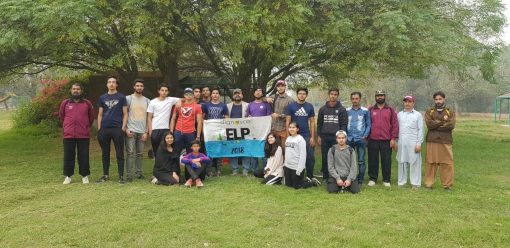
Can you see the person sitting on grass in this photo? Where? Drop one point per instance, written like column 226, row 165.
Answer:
column 195, row 164
column 166, row 169
column 295, row 160
column 273, row 171
column 342, row 166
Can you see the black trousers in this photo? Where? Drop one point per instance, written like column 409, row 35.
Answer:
column 270, row 180
column 105, row 137
column 295, row 181
column 156, row 137
column 327, row 141
column 71, row 147
column 195, row 173
column 380, row 148
column 334, row 188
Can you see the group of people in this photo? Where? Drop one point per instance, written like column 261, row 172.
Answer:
column 343, row 134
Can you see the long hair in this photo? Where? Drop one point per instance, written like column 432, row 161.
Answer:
column 163, row 145
column 270, row 149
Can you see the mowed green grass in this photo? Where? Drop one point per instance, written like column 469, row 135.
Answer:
column 36, row 210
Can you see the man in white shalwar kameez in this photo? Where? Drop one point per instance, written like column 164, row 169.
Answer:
column 410, row 137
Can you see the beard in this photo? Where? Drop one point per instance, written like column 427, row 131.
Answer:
column 139, row 91
column 237, row 99
column 76, row 97
column 380, row 101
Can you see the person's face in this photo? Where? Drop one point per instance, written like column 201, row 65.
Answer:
column 439, row 100
column 408, row 104
column 380, row 99
column 238, row 96
column 188, row 96
column 355, row 100
column 280, row 89
column 341, row 139
column 138, row 88
column 206, row 92
column 112, row 84
column 271, row 139
column 333, row 96
column 293, row 129
column 301, row 95
column 197, row 94
column 169, row 139
column 76, row 90
column 195, row 148
column 215, row 95
column 163, row 92
column 257, row 94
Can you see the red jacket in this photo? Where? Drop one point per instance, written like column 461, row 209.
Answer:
column 76, row 118
column 384, row 123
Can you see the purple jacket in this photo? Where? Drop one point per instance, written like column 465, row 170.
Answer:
column 76, row 118
column 204, row 160
column 384, row 123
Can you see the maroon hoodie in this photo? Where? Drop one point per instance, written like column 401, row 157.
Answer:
column 384, row 123
column 76, row 118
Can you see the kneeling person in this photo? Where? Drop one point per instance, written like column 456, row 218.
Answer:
column 342, row 166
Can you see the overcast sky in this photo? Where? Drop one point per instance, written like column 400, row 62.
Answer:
column 506, row 34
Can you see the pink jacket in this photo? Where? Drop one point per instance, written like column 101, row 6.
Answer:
column 76, row 118
column 384, row 123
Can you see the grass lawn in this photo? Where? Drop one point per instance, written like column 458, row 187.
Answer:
column 36, row 210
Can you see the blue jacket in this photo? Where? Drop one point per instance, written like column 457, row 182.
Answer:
column 359, row 123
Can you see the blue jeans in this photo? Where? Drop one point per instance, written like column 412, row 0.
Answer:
column 234, row 163
column 327, row 141
column 183, row 141
column 360, row 146
column 134, row 149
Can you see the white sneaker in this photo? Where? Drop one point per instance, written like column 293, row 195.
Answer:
column 386, row 184
column 85, row 179
column 67, row 180
column 154, row 180
column 371, row 183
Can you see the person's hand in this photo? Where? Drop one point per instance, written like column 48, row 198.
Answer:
column 339, row 182
column 269, row 99
column 417, row 148
column 275, row 115
column 129, row 133
column 195, row 160
column 319, row 141
column 266, row 170
column 312, row 142
column 393, row 144
column 445, row 117
column 144, row 137
column 198, row 164
column 347, row 183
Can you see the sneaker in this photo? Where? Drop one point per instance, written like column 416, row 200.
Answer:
column 67, row 180
column 218, row 173
column 199, row 183
column 103, row 179
column 235, row 173
column 307, row 179
column 189, row 183
column 121, row 180
column 85, row 180
column 154, row 180
column 316, row 182
column 245, row 173
column 371, row 183
column 386, row 184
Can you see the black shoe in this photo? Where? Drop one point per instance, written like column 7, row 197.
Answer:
column 103, row 179
column 121, row 180
column 140, row 177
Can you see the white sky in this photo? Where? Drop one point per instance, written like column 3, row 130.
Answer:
column 506, row 30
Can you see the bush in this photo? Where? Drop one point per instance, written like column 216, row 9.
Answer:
column 40, row 116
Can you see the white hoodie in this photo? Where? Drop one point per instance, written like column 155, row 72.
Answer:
column 295, row 153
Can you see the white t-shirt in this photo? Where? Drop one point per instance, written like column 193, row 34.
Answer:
column 161, row 111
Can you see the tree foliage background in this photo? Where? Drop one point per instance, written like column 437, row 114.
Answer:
column 251, row 43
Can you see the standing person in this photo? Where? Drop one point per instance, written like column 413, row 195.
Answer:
column 111, row 124
column 76, row 115
column 256, row 108
column 166, row 169
column 358, row 130
column 206, row 95
column 280, row 102
column 197, row 94
column 195, row 163
column 332, row 118
column 440, row 122
column 383, row 133
column 158, row 117
column 273, row 172
column 303, row 114
column 342, row 166
column 186, row 122
column 215, row 109
column 136, row 132
column 410, row 137
column 236, row 109
column 295, row 160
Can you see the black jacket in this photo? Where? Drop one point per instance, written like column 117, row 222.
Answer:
column 331, row 119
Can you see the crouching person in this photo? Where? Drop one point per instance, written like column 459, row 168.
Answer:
column 342, row 166
column 195, row 164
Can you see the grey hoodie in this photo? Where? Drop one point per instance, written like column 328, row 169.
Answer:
column 342, row 164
